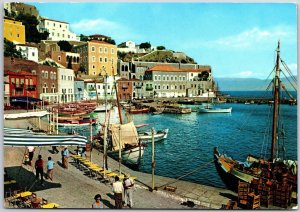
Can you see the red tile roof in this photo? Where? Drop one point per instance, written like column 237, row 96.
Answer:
column 21, row 73
column 165, row 68
column 168, row 68
column 98, row 35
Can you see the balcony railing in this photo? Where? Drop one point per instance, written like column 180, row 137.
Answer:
column 149, row 88
column 31, row 87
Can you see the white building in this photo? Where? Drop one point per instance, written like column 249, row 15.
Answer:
column 65, row 81
column 28, row 52
column 91, row 88
column 58, row 30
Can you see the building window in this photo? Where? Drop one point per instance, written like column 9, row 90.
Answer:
column 105, row 59
column 60, row 26
column 100, row 59
column 53, row 24
column 112, row 51
column 54, row 76
column 93, row 59
column 164, row 78
column 155, row 77
column 58, row 58
column 93, row 66
column 33, row 72
column 93, row 48
column 52, row 33
column 33, row 54
column 100, row 49
column 68, row 36
column 62, row 77
column 105, row 50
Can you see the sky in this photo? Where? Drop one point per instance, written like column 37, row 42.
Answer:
column 235, row 39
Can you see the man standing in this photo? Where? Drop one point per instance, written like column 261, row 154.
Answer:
column 65, row 157
column 39, row 167
column 128, row 188
column 30, row 153
column 118, row 190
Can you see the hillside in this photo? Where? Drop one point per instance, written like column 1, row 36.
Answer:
column 167, row 56
column 247, row 84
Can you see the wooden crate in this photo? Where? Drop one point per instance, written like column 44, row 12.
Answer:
column 253, row 201
column 243, row 190
column 282, row 195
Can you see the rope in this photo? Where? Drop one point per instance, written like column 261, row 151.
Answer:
column 189, row 173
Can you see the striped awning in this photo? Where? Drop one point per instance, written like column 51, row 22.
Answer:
column 22, row 137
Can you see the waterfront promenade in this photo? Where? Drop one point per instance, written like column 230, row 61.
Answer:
column 73, row 189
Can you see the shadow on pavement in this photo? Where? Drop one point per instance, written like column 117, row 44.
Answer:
column 26, row 179
column 229, row 196
column 107, row 203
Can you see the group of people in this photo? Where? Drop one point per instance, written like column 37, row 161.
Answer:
column 39, row 168
column 119, row 187
column 127, row 187
column 39, row 163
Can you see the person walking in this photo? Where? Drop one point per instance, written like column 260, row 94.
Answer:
column 98, row 203
column 128, row 190
column 50, row 166
column 65, row 155
column 39, row 168
column 30, row 154
column 118, row 190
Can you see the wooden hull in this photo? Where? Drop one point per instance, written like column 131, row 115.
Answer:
column 131, row 157
column 228, row 173
column 138, row 111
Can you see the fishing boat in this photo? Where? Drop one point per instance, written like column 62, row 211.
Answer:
column 146, row 137
column 78, row 122
column 138, row 111
column 158, row 111
column 125, row 136
column 101, row 108
column 273, row 168
column 210, row 108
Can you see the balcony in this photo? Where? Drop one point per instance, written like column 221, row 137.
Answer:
column 18, row 85
column 31, row 87
column 149, row 88
column 124, row 87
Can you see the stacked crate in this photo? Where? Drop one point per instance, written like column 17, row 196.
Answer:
column 282, row 195
column 253, row 201
column 266, row 194
column 243, row 190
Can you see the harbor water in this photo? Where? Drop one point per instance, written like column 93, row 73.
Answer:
column 191, row 139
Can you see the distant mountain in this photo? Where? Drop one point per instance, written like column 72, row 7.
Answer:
column 247, row 84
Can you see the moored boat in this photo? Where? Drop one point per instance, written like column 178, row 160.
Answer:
column 146, row 137
column 214, row 110
column 272, row 170
column 138, row 111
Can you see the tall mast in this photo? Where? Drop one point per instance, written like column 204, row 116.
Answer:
column 276, row 102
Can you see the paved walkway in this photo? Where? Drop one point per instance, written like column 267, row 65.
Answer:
column 73, row 189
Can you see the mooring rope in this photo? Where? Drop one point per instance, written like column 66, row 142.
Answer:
column 189, row 173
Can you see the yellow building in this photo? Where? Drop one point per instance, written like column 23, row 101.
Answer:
column 98, row 57
column 14, row 31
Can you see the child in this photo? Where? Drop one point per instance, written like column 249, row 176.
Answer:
column 50, row 166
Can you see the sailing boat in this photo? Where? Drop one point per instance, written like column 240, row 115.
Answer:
column 124, row 138
column 211, row 109
column 274, row 168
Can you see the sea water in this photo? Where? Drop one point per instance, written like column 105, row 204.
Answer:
column 192, row 137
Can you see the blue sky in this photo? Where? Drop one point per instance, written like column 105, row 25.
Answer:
column 237, row 40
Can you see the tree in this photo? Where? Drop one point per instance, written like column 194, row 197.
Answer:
column 10, row 50
column 146, row 45
column 83, row 37
column 161, row 48
column 30, row 22
column 111, row 41
column 65, row 46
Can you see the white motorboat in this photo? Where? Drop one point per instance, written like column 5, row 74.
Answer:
column 214, row 110
column 146, row 137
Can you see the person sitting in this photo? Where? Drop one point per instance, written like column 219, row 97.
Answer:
column 98, row 203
